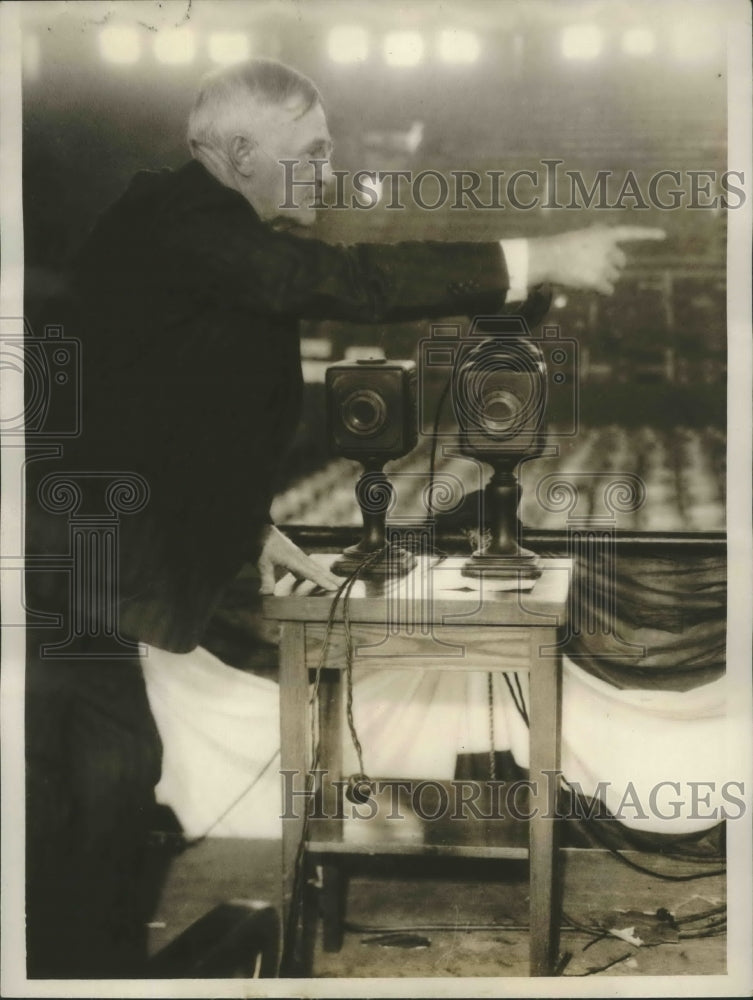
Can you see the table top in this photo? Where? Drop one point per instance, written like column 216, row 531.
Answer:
column 433, row 592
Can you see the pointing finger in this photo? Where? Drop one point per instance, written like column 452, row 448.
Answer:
column 325, row 579
column 629, row 234
column 267, row 581
column 307, row 568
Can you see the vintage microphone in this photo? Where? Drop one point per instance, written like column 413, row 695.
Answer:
column 371, row 417
column 499, row 394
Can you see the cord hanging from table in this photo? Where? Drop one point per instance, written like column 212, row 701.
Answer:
column 342, row 593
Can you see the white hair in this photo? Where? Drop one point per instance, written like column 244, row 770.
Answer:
column 228, row 98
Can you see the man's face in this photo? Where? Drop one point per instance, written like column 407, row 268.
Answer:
column 288, row 135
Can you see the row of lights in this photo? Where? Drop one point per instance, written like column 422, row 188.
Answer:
column 347, row 44
column 578, row 41
column 351, row 44
column 119, row 44
column 587, row 41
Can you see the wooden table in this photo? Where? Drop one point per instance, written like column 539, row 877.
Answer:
column 433, row 619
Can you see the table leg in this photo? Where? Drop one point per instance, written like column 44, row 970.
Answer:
column 333, row 881
column 545, row 719
column 294, row 734
column 334, row 890
column 309, row 919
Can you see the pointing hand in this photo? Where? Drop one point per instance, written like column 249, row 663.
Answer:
column 585, row 259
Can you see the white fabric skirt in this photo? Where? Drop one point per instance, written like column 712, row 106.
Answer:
column 658, row 759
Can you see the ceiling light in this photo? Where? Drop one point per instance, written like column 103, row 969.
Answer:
column 581, row 41
column 226, row 47
column 120, row 45
column 457, row 46
column 347, row 44
column 403, row 48
column 638, row 42
column 176, row 46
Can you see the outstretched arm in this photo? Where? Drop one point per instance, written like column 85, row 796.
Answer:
column 585, row 259
column 282, row 274
column 387, row 282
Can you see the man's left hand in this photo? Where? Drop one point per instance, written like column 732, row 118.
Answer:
column 277, row 550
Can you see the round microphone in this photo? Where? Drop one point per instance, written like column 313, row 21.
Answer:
column 359, row 789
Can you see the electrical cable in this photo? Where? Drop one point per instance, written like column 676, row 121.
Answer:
column 585, row 823
column 713, row 928
column 329, row 628
column 603, row 968
column 356, row 928
column 342, row 593
column 518, row 704
column 290, row 930
column 519, row 701
column 492, row 757
column 345, row 587
column 692, row 917
column 595, row 940
column 194, row 841
column 718, row 930
column 349, row 675
column 570, row 925
column 251, row 785
column 522, row 709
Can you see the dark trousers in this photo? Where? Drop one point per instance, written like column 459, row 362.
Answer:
column 93, row 759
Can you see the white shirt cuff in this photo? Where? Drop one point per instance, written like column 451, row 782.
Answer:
column 516, row 259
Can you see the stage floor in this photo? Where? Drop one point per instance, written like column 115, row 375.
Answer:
column 490, row 898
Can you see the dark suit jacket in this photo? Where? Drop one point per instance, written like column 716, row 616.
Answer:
column 187, row 308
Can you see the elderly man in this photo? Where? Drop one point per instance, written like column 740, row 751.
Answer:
column 186, row 299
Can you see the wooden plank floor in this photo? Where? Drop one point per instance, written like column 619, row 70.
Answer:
column 482, row 908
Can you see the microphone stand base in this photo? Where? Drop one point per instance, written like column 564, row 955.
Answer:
column 525, row 566
column 394, row 561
